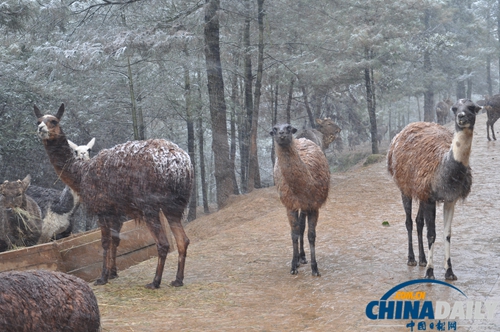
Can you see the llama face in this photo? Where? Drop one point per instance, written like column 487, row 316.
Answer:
column 329, row 129
column 82, row 152
column 48, row 125
column 465, row 113
column 282, row 133
column 13, row 193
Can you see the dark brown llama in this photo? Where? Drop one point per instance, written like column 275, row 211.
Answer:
column 139, row 179
column 492, row 107
column 302, row 178
column 443, row 110
column 20, row 216
column 45, row 301
column 431, row 164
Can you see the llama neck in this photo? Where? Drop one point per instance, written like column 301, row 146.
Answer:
column 292, row 167
column 62, row 159
column 461, row 145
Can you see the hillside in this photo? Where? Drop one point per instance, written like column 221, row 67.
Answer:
column 237, row 269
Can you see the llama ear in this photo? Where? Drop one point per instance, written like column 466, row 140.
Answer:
column 60, row 112
column 72, row 145
column 26, row 181
column 294, row 130
column 91, row 143
column 37, row 112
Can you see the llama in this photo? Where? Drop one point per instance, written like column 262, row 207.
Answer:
column 42, row 301
column 492, row 107
column 138, row 179
column 20, row 216
column 327, row 131
column 429, row 163
column 381, row 131
column 59, row 207
column 302, row 178
column 443, row 110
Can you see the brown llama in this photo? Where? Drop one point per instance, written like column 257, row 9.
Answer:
column 443, row 110
column 46, row 301
column 492, row 107
column 139, row 179
column 20, row 216
column 327, row 131
column 302, row 178
column 431, row 164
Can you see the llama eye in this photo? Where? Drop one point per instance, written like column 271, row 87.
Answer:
column 54, row 122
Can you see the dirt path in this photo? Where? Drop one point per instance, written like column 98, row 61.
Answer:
column 237, row 270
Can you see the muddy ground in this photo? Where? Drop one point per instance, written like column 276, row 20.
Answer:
column 237, row 272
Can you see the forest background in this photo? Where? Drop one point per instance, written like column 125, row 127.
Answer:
column 214, row 76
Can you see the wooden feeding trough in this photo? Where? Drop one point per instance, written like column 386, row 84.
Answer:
column 81, row 254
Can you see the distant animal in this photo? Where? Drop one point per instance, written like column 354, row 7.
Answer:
column 443, row 111
column 59, row 207
column 46, row 301
column 327, row 131
column 20, row 216
column 302, row 178
column 140, row 179
column 431, row 164
column 492, row 108
column 381, row 131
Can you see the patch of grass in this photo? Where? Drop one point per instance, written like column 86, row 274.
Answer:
column 385, row 223
column 347, row 161
column 373, row 159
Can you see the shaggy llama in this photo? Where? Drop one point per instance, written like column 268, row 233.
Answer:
column 139, row 179
column 45, row 301
column 20, row 216
column 431, row 164
column 302, row 177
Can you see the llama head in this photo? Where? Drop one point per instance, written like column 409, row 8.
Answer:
column 283, row 134
column 13, row 193
column 329, row 129
column 48, row 125
column 82, row 152
column 465, row 111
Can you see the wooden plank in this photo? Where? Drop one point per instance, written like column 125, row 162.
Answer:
column 43, row 256
column 93, row 271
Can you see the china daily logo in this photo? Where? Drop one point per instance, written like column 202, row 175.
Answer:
column 415, row 306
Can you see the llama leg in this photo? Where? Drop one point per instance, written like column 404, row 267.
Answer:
column 493, row 131
column 293, row 219
column 420, row 227
column 115, row 242
column 182, row 244
column 409, row 229
column 430, row 221
column 105, row 243
column 158, row 232
column 488, row 130
column 302, row 225
column 448, row 210
column 312, row 221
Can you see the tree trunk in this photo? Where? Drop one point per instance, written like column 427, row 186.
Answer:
column 289, row 102
column 204, row 192
column 190, row 133
column 498, row 34
column 274, row 117
column 133, row 105
column 370, row 103
column 254, row 173
column 220, row 146
column 429, row 91
column 248, row 183
column 308, row 107
column 234, row 106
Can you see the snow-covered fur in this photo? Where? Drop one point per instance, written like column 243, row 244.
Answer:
column 431, row 164
column 302, row 178
column 46, row 301
column 20, row 216
column 139, row 179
